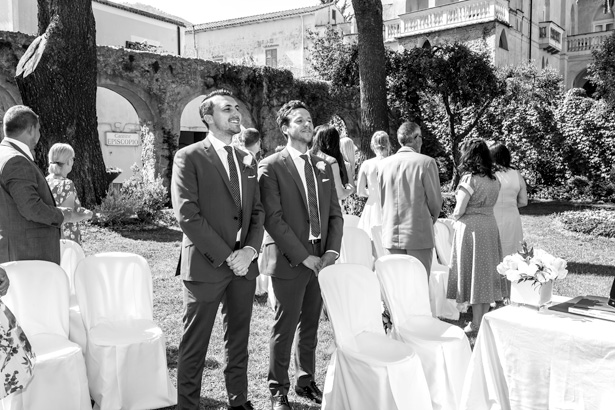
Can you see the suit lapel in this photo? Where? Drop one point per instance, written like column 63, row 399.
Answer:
column 290, row 164
column 321, row 193
column 243, row 174
column 213, row 156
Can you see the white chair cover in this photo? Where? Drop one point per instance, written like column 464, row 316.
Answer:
column 38, row 297
column 356, row 247
column 438, row 278
column 351, row 221
column 71, row 254
column 367, row 370
column 443, row 348
column 126, row 351
column 377, row 240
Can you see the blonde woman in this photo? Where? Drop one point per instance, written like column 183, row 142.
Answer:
column 367, row 182
column 61, row 160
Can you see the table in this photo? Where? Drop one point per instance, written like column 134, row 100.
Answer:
column 526, row 359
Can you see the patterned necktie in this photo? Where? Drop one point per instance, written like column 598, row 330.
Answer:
column 312, row 201
column 234, row 179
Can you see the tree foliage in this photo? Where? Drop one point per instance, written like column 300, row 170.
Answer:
column 332, row 59
column 602, row 70
column 345, row 7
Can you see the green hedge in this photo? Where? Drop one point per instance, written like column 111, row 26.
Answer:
column 599, row 222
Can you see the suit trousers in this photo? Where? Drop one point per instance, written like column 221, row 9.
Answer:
column 201, row 301
column 297, row 312
column 423, row 255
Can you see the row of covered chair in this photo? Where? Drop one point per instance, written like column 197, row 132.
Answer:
column 420, row 365
column 91, row 328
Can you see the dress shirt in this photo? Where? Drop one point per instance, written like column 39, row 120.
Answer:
column 21, row 145
column 223, row 155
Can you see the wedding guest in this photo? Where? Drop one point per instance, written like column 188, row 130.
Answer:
column 16, row 357
column 367, row 182
column 410, row 197
column 216, row 200
column 513, row 195
column 304, row 227
column 249, row 139
column 26, row 203
column 348, row 149
column 61, row 159
column 476, row 242
column 326, row 145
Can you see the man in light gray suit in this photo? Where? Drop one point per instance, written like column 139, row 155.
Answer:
column 410, row 197
column 29, row 219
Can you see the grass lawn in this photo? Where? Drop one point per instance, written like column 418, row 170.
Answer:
column 591, row 263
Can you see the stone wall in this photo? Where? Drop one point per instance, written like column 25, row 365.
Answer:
column 159, row 86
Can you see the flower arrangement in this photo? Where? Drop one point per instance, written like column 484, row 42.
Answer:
column 533, row 265
column 320, row 165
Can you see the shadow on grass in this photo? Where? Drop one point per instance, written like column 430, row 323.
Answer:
column 590, row 268
column 552, row 207
column 261, row 299
column 156, row 234
column 172, row 353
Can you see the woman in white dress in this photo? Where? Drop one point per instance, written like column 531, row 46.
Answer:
column 367, row 182
column 513, row 195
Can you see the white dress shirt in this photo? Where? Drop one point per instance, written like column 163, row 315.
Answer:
column 21, row 145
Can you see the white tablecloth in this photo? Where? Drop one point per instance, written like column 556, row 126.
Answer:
column 524, row 359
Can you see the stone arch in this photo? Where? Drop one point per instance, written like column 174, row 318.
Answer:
column 138, row 97
column 503, row 43
column 426, row 44
column 581, row 81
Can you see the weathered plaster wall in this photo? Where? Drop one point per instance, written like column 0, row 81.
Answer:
column 160, row 86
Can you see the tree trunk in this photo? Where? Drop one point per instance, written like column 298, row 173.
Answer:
column 57, row 79
column 374, row 111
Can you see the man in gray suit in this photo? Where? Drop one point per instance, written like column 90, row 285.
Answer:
column 216, row 199
column 29, row 219
column 410, row 197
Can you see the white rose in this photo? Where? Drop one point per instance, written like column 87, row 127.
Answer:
column 545, row 257
column 541, row 277
column 523, row 267
column 320, row 165
column 532, row 269
column 509, row 262
column 247, row 160
column 558, row 265
column 513, row 275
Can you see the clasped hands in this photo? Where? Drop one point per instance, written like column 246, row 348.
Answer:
column 239, row 261
column 317, row 264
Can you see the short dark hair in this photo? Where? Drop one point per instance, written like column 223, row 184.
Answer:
column 408, row 132
column 284, row 112
column 475, row 158
column 500, row 155
column 207, row 106
column 250, row 136
column 17, row 119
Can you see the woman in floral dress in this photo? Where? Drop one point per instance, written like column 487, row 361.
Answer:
column 476, row 243
column 61, row 160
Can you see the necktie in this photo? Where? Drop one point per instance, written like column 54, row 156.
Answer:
column 234, row 179
column 312, row 201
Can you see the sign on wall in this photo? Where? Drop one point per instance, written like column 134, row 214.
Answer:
column 124, row 139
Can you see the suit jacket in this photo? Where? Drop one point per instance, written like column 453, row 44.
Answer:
column 411, row 199
column 29, row 220
column 287, row 219
column 204, row 207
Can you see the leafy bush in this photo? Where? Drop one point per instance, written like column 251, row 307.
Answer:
column 591, row 221
column 143, row 194
column 448, row 204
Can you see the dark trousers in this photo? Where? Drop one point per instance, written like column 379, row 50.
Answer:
column 297, row 312
column 201, row 301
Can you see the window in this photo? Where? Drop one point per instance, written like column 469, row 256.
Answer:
column 218, row 59
column 271, row 57
column 503, row 41
column 333, row 15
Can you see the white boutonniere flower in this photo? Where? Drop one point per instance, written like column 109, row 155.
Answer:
column 320, row 165
column 247, row 161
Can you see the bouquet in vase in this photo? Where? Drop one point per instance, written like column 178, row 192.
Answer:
column 532, row 265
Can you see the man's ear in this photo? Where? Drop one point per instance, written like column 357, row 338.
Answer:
column 209, row 118
column 284, row 128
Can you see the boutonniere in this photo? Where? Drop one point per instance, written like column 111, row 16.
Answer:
column 247, row 161
column 320, row 165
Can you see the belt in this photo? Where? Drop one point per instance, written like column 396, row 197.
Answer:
column 314, row 241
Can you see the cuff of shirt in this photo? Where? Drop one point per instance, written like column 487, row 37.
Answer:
column 337, row 254
column 255, row 252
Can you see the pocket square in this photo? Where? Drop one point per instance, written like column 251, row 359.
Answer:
column 325, row 180
column 251, row 176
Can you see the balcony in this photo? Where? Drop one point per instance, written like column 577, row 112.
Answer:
column 445, row 17
column 585, row 43
column 550, row 36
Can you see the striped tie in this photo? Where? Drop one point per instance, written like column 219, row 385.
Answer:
column 312, row 201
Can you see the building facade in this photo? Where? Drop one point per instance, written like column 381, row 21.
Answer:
column 279, row 40
column 556, row 33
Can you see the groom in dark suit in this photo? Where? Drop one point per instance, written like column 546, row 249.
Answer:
column 304, row 225
column 216, row 200
column 29, row 219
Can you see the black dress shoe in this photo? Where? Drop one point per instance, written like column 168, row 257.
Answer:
column 310, row 392
column 280, row 403
column 246, row 406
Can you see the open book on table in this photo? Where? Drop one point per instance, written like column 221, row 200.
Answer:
column 593, row 306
